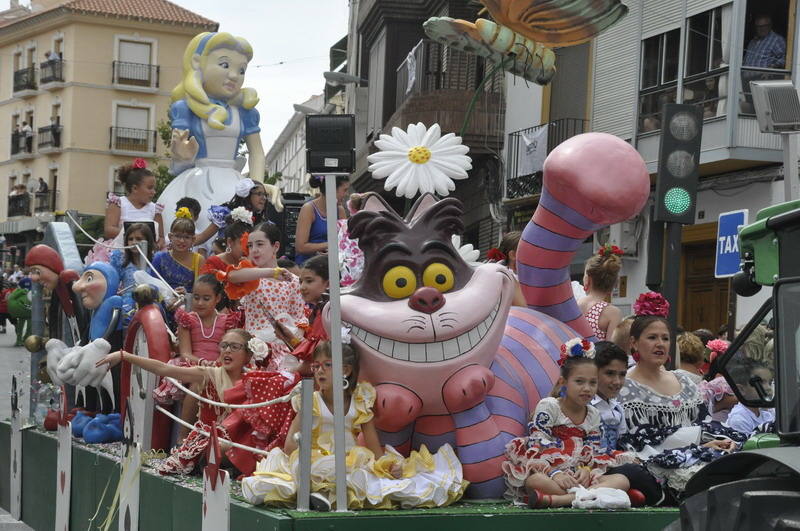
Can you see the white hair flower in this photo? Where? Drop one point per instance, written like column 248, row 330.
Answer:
column 242, row 214
column 345, row 335
column 258, row 347
column 243, row 187
column 420, row 160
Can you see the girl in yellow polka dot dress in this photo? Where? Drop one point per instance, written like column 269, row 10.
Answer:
column 376, row 477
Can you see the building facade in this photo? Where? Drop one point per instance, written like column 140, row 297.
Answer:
column 91, row 81
column 407, row 78
column 701, row 52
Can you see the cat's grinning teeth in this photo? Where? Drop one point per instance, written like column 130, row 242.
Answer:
column 427, row 352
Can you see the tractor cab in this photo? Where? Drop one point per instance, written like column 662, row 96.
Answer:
column 759, row 487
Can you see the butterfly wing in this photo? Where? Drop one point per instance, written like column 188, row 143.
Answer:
column 557, row 23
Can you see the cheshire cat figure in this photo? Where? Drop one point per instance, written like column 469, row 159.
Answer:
column 451, row 362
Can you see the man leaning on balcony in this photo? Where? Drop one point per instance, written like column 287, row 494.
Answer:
column 766, row 49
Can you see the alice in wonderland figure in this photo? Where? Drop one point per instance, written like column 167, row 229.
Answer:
column 211, row 115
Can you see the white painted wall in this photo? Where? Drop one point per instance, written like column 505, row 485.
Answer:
column 712, row 204
column 523, row 104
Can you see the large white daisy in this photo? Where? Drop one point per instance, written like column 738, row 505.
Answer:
column 420, row 160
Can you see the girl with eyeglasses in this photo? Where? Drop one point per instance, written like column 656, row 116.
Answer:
column 250, row 195
column 180, row 266
column 218, row 383
column 376, row 477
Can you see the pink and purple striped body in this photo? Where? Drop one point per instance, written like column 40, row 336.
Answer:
column 459, row 365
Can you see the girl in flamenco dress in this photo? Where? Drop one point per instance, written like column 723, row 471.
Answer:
column 220, row 383
column 211, row 115
column 128, row 261
column 376, row 477
column 232, row 254
column 599, row 279
column 562, row 460
column 199, row 333
column 270, row 297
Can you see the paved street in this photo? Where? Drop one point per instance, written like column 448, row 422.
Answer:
column 13, row 360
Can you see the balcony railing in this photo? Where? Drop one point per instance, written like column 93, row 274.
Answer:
column 524, row 176
column 136, row 74
column 431, row 66
column 50, row 137
column 751, row 73
column 25, row 79
column 128, row 139
column 51, row 71
column 44, row 201
column 19, row 205
column 21, row 143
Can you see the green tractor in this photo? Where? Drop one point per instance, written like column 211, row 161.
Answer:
column 759, row 488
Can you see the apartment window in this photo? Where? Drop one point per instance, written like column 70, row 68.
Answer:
column 658, row 79
column 58, row 47
column 131, row 130
column 134, row 66
column 17, row 61
column 767, row 53
column 705, row 72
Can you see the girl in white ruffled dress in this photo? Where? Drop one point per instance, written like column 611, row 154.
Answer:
column 376, row 478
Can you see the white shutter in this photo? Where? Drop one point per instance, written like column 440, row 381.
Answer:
column 133, row 117
column 616, row 75
column 377, row 62
column 694, row 7
column 134, row 52
column 660, row 16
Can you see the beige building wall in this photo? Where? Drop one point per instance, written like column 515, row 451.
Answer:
column 89, row 102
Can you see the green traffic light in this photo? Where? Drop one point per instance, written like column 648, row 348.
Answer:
column 677, row 200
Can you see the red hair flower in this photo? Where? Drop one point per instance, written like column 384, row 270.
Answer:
column 243, row 240
column 651, row 303
column 717, row 348
column 608, row 250
column 139, row 163
column 496, row 255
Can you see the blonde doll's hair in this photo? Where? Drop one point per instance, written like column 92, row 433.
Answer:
column 191, row 87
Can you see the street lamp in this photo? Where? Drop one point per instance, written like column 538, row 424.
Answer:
column 341, row 78
column 778, row 112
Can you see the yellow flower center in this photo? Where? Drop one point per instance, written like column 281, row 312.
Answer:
column 419, row 155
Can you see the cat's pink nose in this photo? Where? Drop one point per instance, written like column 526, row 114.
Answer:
column 426, row 300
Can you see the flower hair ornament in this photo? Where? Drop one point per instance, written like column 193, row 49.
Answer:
column 496, row 255
column 242, row 214
column 139, row 163
column 243, row 187
column 651, row 303
column 608, row 250
column 576, row 348
column 717, row 347
column 259, row 348
column 183, row 213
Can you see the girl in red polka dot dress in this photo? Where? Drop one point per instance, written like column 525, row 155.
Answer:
column 271, row 299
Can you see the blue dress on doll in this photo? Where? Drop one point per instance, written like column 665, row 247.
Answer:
column 211, row 178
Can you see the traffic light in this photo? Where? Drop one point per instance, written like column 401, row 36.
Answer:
column 679, row 163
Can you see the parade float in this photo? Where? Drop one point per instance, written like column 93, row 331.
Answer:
column 466, row 368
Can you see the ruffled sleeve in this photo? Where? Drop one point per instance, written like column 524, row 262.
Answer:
column 113, row 199
column 297, row 397
column 159, row 208
column 234, row 319
column 184, row 318
column 544, row 418
column 250, row 119
column 237, row 291
column 217, row 215
column 363, row 400
column 116, row 260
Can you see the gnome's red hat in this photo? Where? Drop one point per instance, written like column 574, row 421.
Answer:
column 44, row 256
